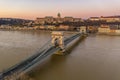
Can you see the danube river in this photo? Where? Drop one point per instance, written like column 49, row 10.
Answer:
column 97, row 57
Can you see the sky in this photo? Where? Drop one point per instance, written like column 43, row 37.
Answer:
column 30, row 9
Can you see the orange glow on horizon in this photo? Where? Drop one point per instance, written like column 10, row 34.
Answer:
column 34, row 15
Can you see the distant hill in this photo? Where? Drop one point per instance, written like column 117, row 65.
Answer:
column 13, row 21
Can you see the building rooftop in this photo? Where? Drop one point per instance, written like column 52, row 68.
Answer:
column 110, row 16
column 94, row 17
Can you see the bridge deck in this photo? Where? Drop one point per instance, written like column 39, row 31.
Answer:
column 27, row 64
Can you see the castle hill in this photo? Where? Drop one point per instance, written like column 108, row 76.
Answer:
column 106, row 24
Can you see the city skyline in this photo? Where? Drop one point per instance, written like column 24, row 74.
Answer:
column 30, row 9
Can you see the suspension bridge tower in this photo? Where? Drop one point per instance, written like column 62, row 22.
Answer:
column 83, row 29
column 58, row 40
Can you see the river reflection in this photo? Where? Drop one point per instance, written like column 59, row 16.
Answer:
column 95, row 58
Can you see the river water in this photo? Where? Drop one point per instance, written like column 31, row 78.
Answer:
column 97, row 57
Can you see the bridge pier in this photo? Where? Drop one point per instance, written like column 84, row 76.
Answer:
column 58, row 40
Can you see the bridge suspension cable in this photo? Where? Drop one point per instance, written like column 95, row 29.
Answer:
column 46, row 50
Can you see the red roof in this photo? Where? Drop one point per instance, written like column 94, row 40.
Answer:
column 111, row 17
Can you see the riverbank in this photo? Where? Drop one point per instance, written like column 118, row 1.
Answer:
column 69, row 32
column 109, row 34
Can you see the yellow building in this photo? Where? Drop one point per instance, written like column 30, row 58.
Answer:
column 49, row 19
column 77, row 20
column 94, row 18
column 111, row 18
column 51, row 27
column 104, row 29
column 40, row 21
column 92, row 29
column 68, row 19
column 62, row 27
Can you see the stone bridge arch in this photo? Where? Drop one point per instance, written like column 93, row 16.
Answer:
column 58, row 39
